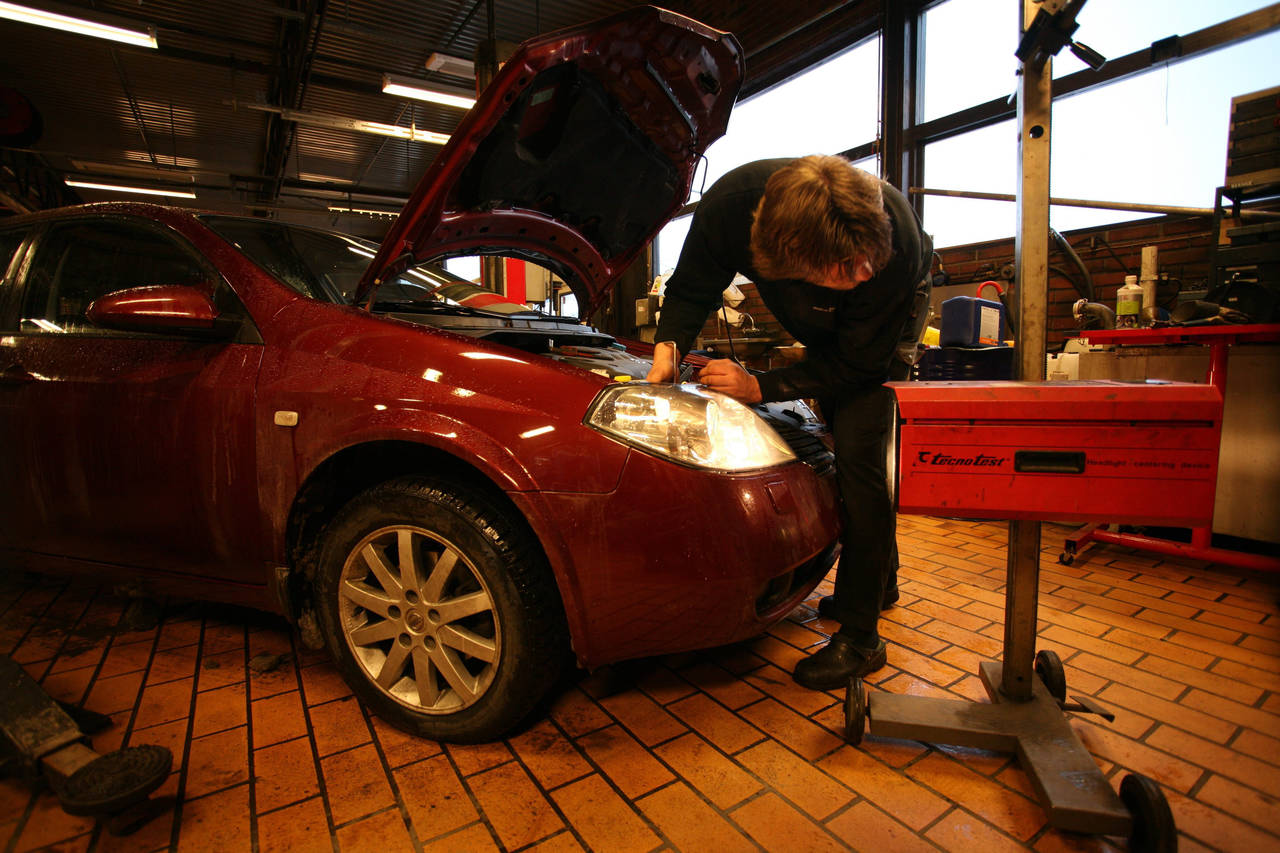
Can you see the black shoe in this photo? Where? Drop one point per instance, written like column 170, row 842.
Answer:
column 835, row 663
column 827, row 604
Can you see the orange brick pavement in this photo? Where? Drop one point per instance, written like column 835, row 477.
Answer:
column 715, row 750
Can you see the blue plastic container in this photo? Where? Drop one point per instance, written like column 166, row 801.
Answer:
column 968, row 321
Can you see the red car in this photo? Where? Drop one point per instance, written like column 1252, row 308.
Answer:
column 449, row 497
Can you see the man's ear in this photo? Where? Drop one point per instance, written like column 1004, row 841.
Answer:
column 864, row 272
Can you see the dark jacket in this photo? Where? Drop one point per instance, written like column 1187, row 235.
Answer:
column 850, row 336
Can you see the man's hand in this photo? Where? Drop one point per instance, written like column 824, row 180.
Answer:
column 729, row 377
column 664, row 363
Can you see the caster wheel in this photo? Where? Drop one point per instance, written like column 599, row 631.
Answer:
column 855, row 711
column 1153, row 827
column 1051, row 674
column 1066, row 558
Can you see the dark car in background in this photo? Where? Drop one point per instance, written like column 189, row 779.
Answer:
column 450, row 498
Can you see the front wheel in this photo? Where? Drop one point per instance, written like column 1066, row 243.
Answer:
column 439, row 609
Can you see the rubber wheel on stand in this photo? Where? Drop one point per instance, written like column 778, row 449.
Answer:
column 1066, row 559
column 1051, row 674
column 855, row 711
column 1153, row 827
column 115, row 781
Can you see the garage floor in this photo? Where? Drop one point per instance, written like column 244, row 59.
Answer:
column 709, row 751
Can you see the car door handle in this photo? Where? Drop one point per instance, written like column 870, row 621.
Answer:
column 15, row 376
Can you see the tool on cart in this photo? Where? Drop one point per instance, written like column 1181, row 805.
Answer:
column 41, row 739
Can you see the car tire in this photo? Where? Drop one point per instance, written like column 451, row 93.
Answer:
column 439, row 609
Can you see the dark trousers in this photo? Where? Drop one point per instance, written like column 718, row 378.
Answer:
column 868, row 567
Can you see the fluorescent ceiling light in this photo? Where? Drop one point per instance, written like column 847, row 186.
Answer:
column 367, row 211
column 343, row 123
column 452, row 65
column 407, row 87
column 123, row 189
column 82, row 26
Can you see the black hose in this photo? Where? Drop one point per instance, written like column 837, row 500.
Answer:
column 1085, row 290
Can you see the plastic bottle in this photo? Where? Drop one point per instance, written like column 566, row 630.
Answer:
column 1128, row 303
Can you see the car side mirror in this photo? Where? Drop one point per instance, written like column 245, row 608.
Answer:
column 164, row 309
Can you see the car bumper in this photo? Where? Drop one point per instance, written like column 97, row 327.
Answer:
column 677, row 558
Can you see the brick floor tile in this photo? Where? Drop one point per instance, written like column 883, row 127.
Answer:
column 220, row 709
column 578, row 713
column 1258, row 745
column 663, row 686
column 717, row 724
column 797, row 635
column 1224, row 760
column 909, row 685
column 562, row 842
column 516, row 809
column 1191, row 626
column 284, row 773
column 472, row 839
column 69, row 685
column 603, row 819
column 1260, row 658
column 889, row 789
column 278, row 718
column 1222, row 680
column 355, row 784
column 173, row 664
column 726, row 689
column 1139, row 624
column 221, row 636
column 321, row 683
column 780, row 654
column 217, row 761
column 1230, row 622
column 775, row 825
column 718, row 779
column 1235, row 671
column 925, row 644
column 781, row 686
column 163, row 703
column 550, row 757
column 338, row 725
column 383, row 831
column 644, row 718
column 960, row 830
column 434, row 797
column 1160, row 647
column 217, row 822
column 1245, row 803
column 48, row 824
column 1139, row 676
column 628, row 764
column 1217, row 830
column 816, row 793
column 400, row 747
column 798, row 733
column 220, row 670
column 474, row 758
column 1071, row 620
column 1106, row 647
column 963, row 637
column 79, row 653
column 866, row 827
column 300, row 828
column 124, row 657
column 1104, row 744
column 14, row 797
column 682, row 816
column 1010, row 812
column 179, row 632
column 1175, row 714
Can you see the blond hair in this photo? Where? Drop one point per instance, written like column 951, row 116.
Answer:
column 817, row 213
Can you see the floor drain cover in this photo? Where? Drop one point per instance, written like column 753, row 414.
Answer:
column 116, row 780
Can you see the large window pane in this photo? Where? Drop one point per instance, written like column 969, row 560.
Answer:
column 983, row 160
column 1158, row 138
column 968, row 49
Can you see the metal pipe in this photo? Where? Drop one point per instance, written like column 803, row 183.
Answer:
column 1166, row 209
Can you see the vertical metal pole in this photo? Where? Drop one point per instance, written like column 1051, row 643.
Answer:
column 1031, row 248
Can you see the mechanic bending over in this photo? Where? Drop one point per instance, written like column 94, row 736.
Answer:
column 839, row 258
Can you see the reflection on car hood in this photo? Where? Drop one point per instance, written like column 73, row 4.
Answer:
column 578, row 152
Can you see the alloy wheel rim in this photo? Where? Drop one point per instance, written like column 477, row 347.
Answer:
column 419, row 619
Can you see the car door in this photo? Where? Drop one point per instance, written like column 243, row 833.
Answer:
column 134, row 448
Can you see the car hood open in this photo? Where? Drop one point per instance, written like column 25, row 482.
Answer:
column 579, row 151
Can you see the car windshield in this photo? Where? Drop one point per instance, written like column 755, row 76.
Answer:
column 328, row 266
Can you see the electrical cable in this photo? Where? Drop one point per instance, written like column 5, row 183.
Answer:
column 1085, row 290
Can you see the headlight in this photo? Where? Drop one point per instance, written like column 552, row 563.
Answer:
column 690, row 425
